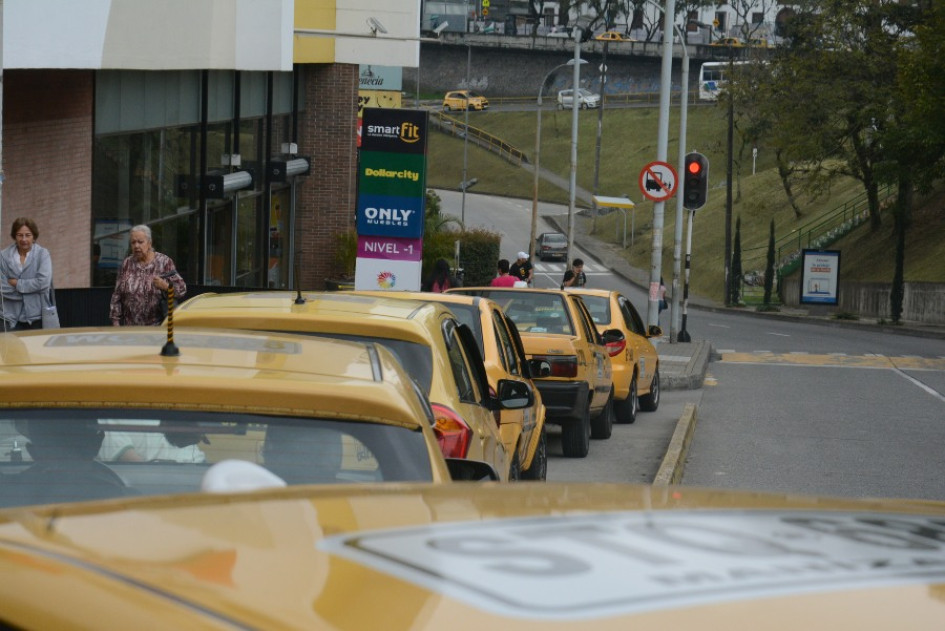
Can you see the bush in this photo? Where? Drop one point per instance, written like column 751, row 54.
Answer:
column 480, row 254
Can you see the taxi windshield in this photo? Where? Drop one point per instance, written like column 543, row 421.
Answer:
column 73, row 455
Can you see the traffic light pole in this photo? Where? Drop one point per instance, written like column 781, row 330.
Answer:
column 683, row 333
column 677, row 240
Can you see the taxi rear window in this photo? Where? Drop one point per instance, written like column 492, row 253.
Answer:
column 73, row 455
column 532, row 312
column 599, row 307
column 417, row 359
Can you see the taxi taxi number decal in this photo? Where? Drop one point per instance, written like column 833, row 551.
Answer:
column 601, row 564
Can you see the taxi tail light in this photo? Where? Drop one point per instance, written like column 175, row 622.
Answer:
column 453, row 434
column 615, row 348
column 564, row 366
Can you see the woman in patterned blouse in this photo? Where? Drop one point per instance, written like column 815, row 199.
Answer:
column 143, row 278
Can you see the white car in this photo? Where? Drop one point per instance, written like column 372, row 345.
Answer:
column 586, row 99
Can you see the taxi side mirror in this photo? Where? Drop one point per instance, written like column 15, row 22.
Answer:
column 514, row 395
column 655, row 331
column 464, row 470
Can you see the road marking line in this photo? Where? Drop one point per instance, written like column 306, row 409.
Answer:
column 921, row 385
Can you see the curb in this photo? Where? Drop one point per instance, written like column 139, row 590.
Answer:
column 693, row 376
column 674, row 462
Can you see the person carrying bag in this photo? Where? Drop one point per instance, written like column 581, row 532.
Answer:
column 50, row 312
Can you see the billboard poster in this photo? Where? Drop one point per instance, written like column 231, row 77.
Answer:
column 388, row 78
column 374, row 274
column 378, row 98
column 820, row 275
column 391, row 196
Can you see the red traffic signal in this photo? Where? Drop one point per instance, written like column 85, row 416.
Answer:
column 695, row 181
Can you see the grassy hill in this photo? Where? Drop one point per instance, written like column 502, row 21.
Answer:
column 628, row 143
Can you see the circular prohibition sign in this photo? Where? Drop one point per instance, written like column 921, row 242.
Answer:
column 658, row 181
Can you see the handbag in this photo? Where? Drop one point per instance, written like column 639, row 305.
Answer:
column 50, row 313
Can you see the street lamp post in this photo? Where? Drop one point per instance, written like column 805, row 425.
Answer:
column 534, row 234
column 572, row 186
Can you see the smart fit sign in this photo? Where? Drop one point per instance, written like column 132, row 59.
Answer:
column 391, row 194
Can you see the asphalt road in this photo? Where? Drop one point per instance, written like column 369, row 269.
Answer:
column 819, row 407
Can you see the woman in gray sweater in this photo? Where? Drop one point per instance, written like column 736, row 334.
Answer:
column 25, row 278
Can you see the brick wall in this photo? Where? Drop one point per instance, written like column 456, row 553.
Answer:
column 327, row 196
column 47, row 164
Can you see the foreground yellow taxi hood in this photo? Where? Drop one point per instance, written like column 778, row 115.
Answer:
column 479, row 556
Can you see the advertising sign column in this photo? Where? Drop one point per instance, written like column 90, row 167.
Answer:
column 391, row 194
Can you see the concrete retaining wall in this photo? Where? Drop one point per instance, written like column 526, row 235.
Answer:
column 923, row 302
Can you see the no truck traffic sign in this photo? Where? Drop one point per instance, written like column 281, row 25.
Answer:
column 658, row 181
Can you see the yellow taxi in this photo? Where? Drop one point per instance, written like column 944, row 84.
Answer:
column 475, row 556
column 437, row 350
column 464, row 99
column 634, row 358
column 95, row 413
column 613, row 36
column 576, row 384
column 523, row 431
column 731, row 42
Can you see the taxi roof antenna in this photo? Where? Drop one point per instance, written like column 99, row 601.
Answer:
column 170, row 348
column 299, row 300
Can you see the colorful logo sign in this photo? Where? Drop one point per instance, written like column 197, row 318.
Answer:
column 391, row 195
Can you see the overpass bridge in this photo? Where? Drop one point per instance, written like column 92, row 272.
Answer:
column 514, row 65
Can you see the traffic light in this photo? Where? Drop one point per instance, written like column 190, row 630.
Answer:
column 695, row 181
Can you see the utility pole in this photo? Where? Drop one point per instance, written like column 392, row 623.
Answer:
column 666, row 77
column 600, row 130
column 572, row 187
column 729, row 281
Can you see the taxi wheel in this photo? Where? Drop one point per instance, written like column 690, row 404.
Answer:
column 626, row 409
column 576, row 435
column 603, row 425
column 539, row 469
column 649, row 402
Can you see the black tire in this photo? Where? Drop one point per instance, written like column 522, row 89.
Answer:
column 446, row 108
column 539, row 469
column 626, row 409
column 602, row 426
column 576, row 435
column 583, row 106
column 649, row 402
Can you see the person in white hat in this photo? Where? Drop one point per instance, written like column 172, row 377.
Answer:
column 522, row 268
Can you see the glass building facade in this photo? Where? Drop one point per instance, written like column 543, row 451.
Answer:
column 162, row 141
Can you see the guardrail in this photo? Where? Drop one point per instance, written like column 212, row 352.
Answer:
column 459, row 129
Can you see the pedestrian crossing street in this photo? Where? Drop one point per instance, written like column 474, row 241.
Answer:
column 559, row 267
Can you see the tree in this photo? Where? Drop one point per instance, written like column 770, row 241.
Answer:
column 746, row 11
column 769, row 267
column 836, row 81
